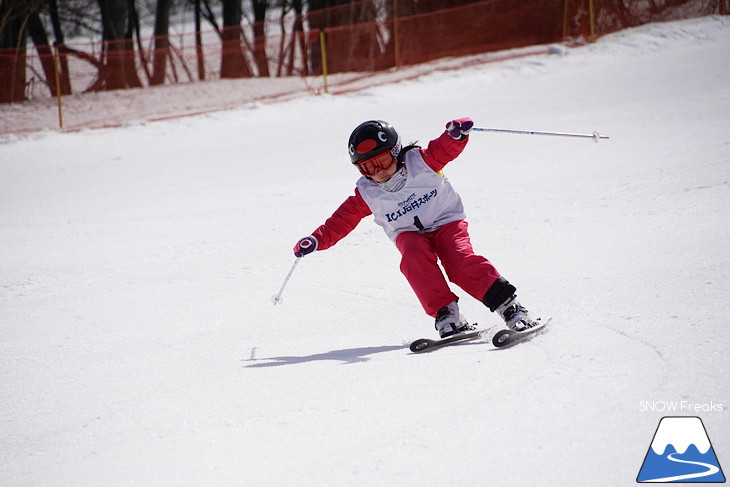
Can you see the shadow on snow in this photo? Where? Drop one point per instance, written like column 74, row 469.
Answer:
column 346, row 356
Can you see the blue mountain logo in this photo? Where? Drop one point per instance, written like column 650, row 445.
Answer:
column 681, row 452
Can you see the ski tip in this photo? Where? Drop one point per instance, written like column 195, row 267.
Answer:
column 506, row 337
column 502, row 337
column 421, row 345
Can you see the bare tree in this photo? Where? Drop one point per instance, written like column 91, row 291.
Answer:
column 203, row 10
column 118, row 69
column 290, row 44
column 162, row 42
column 60, row 44
column 259, row 36
column 233, row 59
column 38, row 33
column 14, row 16
column 199, row 41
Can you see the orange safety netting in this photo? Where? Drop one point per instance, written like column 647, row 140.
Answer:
column 362, row 41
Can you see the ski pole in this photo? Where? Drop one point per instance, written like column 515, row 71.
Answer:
column 277, row 299
column 595, row 135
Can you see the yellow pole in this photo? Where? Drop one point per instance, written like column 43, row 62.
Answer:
column 58, row 85
column 323, row 48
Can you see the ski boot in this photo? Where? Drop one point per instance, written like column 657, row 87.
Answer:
column 515, row 315
column 449, row 321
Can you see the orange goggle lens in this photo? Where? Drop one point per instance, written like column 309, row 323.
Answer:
column 375, row 164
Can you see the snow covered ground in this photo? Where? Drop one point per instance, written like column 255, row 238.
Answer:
column 139, row 344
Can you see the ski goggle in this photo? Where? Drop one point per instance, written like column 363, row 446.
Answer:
column 375, row 164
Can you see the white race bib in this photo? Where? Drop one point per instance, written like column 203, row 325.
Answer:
column 425, row 203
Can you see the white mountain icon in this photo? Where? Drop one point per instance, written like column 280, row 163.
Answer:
column 680, row 452
column 680, row 432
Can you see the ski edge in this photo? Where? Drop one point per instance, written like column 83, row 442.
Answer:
column 422, row 345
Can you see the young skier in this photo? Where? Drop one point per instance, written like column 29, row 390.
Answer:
column 406, row 191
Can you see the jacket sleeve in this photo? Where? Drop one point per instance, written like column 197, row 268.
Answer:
column 342, row 222
column 442, row 150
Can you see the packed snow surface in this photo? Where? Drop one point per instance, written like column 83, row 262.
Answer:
column 140, row 345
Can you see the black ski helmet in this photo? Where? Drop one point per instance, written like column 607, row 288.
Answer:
column 371, row 138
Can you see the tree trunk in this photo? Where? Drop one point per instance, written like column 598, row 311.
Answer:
column 199, row 42
column 162, row 42
column 130, row 68
column 233, row 61
column 118, row 66
column 59, row 42
column 14, row 15
column 40, row 39
column 259, row 36
column 288, row 44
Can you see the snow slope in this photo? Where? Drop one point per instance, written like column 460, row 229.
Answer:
column 139, row 344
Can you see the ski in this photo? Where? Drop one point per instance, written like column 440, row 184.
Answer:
column 507, row 337
column 427, row 344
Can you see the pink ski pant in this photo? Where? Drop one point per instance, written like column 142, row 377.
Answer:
column 451, row 245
